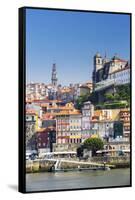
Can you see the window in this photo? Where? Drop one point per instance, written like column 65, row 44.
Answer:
column 98, row 61
column 32, row 118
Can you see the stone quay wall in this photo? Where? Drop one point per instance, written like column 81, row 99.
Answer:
column 46, row 165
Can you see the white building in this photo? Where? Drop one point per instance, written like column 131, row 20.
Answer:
column 108, row 73
column 121, row 76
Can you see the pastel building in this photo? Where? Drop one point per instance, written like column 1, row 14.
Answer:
column 102, row 123
column 68, row 127
column 73, row 126
column 87, row 113
column 43, row 139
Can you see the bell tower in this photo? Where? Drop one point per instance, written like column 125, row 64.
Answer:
column 54, row 75
column 98, row 62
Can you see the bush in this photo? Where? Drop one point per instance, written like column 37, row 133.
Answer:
column 94, row 144
column 114, row 105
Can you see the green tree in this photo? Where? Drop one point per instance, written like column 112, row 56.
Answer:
column 94, row 144
column 81, row 100
column 124, row 92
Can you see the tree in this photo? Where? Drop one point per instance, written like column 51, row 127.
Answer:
column 80, row 151
column 124, row 92
column 81, row 100
column 93, row 144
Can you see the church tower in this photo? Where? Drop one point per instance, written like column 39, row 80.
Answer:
column 54, row 75
column 98, row 62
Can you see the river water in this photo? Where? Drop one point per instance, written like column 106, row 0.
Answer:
column 75, row 180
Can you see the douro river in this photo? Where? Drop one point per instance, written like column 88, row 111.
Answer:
column 75, row 180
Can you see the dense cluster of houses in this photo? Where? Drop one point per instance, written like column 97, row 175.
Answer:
column 52, row 117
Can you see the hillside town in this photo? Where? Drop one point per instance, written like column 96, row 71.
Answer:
column 60, row 118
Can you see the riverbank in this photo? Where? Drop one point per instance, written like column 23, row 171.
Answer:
column 120, row 165
column 38, row 166
column 118, row 162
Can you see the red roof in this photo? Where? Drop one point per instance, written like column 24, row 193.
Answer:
column 31, row 112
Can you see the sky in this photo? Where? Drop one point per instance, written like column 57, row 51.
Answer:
column 71, row 39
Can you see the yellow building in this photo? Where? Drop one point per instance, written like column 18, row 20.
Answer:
column 107, row 114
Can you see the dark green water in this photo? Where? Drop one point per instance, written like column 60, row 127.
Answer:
column 83, row 179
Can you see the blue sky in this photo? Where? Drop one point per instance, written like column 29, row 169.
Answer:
column 70, row 39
